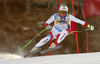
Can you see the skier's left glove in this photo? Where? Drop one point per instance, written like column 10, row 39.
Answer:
column 91, row 27
column 48, row 26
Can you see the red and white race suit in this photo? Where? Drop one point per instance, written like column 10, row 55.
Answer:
column 61, row 28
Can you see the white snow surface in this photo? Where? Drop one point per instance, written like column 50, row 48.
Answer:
column 85, row 58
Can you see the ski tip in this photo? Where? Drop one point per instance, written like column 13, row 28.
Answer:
column 33, row 52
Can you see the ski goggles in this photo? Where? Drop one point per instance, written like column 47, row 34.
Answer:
column 63, row 12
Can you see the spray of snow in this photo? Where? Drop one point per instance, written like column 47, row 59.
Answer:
column 8, row 55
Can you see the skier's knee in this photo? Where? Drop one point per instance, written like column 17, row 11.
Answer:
column 50, row 35
column 45, row 39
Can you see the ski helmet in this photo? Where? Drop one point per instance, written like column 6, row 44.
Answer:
column 63, row 8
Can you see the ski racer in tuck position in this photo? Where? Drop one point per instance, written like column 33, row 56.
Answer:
column 61, row 28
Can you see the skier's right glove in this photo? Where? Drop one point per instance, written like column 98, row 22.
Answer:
column 48, row 26
column 91, row 27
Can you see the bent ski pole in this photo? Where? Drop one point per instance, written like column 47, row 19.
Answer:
column 78, row 31
column 28, row 43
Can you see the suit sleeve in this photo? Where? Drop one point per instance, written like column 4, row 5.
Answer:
column 72, row 18
column 50, row 20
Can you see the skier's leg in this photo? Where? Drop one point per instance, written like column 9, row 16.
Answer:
column 44, row 40
column 61, row 37
column 50, row 36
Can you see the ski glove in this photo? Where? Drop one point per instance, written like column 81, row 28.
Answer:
column 47, row 26
column 91, row 27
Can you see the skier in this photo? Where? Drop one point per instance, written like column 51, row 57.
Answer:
column 61, row 28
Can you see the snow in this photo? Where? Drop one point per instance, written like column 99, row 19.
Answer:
column 85, row 58
column 8, row 55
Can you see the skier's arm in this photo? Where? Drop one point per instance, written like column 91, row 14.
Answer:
column 78, row 20
column 50, row 20
column 81, row 22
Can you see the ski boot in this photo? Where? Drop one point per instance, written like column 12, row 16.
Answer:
column 33, row 49
column 52, row 45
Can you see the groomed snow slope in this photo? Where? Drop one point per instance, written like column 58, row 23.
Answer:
column 86, row 58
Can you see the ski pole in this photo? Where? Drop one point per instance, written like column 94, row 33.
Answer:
column 79, row 31
column 28, row 43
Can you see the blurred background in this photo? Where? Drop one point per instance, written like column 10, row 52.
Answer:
column 22, row 20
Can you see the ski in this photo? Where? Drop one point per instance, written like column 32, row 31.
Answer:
column 31, row 53
column 51, row 49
